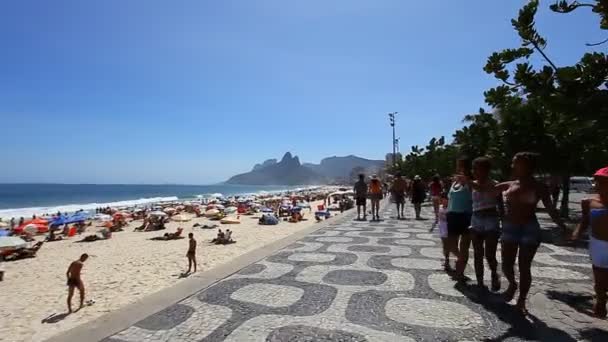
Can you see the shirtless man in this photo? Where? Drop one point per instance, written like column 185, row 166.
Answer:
column 191, row 252
column 74, row 281
column 398, row 191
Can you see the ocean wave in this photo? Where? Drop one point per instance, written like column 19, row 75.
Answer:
column 28, row 212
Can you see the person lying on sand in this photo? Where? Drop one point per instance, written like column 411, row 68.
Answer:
column 23, row 253
column 74, row 280
column 91, row 238
column 170, row 236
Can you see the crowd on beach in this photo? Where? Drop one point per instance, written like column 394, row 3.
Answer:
column 471, row 207
column 27, row 236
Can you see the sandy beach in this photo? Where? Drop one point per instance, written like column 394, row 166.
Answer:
column 120, row 271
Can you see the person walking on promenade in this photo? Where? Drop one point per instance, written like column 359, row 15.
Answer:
column 398, row 192
column 360, row 190
column 460, row 207
column 520, row 228
column 436, row 191
column 443, row 233
column 375, row 193
column 418, row 195
column 595, row 214
column 485, row 222
column 74, row 281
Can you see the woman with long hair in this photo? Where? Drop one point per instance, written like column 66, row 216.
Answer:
column 485, row 222
column 595, row 214
column 521, row 230
column 459, row 216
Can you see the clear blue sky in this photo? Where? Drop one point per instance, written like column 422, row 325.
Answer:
column 146, row 91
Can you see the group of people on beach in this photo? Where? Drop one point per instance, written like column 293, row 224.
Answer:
column 474, row 208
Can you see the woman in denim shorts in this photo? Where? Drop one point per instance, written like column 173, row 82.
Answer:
column 485, row 222
column 520, row 228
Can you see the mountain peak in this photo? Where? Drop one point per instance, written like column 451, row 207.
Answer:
column 288, row 171
column 287, row 157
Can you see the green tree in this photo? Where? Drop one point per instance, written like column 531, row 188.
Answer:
column 567, row 106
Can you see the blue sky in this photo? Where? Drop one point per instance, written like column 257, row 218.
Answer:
column 146, row 91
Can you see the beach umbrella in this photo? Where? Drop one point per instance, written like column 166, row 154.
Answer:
column 158, row 213
column 212, row 213
column 38, row 221
column 169, row 210
column 3, row 224
column 32, row 228
column 230, row 210
column 181, row 218
column 11, row 242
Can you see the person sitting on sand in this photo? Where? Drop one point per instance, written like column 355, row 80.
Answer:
column 228, row 238
column 296, row 217
column 52, row 236
column 74, row 280
column 219, row 238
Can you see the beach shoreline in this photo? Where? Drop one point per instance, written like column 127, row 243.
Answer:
column 143, row 199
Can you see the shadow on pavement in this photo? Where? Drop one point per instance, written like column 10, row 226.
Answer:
column 594, row 335
column 520, row 327
column 580, row 302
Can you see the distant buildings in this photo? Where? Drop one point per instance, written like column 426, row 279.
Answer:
column 389, row 158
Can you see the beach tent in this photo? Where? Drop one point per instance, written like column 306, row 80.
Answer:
column 269, row 220
column 11, row 242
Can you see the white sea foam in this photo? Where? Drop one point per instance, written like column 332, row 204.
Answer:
column 28, row 212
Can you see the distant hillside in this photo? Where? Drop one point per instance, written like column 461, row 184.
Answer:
column 340, row 168
column 288, row 171
column 264, row 164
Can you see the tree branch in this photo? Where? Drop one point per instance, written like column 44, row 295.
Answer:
column 596, row 44
column 543, row 54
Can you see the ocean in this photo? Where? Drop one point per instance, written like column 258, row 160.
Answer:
column 18, row 200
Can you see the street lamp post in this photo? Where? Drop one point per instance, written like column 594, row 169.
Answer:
column 391, row 117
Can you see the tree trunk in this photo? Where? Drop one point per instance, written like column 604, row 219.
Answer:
column 564, row 208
